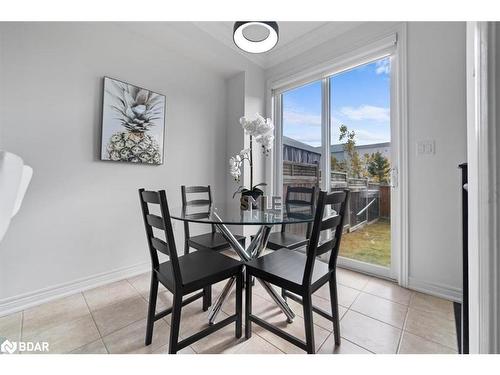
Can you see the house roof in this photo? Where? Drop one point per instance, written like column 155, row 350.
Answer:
column 333, row 148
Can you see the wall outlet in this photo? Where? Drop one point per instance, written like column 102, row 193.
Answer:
column 426, row 147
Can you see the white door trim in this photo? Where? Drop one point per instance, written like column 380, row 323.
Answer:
column 482, row 176
column 399, row 117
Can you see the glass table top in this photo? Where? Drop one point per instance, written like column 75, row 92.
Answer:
column 230, row 213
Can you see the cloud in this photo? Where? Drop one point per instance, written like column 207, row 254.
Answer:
column 308, row 136
column 366, row 112
column 364, row 137
column 383, row 66
column 291, row 116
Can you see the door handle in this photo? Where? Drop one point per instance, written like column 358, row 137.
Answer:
column 394, row 177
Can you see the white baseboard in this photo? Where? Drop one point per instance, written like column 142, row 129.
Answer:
column 439, row 290
column 21, row 302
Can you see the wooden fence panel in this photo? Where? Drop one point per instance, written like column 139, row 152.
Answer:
column 385, row 201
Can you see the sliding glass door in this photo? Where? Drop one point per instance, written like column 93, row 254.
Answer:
column 360, row 152
column 337, row 134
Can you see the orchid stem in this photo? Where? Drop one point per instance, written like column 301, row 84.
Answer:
column 251, row 163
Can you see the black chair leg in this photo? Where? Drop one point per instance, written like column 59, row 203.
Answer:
column 308, row 322
column 248, row 306
column 335, row 308
column 207, row 297
column 175, row 323
column 239, row 303
column 153, row 293
column 186, row 249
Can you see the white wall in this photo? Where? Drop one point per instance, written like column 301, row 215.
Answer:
column 436, row 111
column 81, row 216
column 234, row 134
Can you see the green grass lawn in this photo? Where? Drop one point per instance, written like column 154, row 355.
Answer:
column 371, row 244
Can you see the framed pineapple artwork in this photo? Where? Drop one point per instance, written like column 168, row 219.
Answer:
column 133, row 124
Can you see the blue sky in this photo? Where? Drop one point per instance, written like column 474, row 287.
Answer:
column 360, row 99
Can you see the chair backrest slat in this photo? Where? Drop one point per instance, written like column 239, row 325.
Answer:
column 155, row 221
column 185, row 190
column 298, row 202
column 197, row 189
column 325, row 247
column 163, row 223
column 300, row 189
column 151, row 197
column 160, row 246
column 198, row 202
column 337, row 197
column 330, row 222
column 334, row 224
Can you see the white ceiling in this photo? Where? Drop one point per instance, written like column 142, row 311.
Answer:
column 294, row 38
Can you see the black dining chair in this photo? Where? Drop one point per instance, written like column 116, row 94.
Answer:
column 302, row 274
column 294, row 196
column 207, row 241
column 183, row 275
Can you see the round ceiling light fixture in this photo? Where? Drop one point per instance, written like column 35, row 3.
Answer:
column 255, row 36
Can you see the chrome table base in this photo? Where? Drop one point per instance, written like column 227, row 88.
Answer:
column 256, row 247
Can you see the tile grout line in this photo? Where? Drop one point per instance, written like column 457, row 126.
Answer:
column 378, row 320
column 22, row 325
column 403, row 330
column 116, row 330
column 418, row 335
column 436, row 314
column 362, row 347
column 400, row 329
column 349, row 309
column 95, row 323
column 430, row 340
column 147, row 300
column 371, row 294
column 322, row 343
column 163, row 319
column 270, row 343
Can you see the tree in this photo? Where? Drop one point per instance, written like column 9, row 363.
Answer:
column 367, row 158
column 378, row 167
column 354, row 166
column 336, row 165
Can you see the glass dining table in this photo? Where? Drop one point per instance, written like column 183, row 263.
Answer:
column 228, row 213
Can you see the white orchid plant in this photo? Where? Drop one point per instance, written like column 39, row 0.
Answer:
column 261, row 130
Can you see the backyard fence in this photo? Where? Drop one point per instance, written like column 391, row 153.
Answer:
column 368, row 202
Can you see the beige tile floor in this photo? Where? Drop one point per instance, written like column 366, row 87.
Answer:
column 377, row 316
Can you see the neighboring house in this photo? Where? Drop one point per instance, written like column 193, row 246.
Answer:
column 303, row 153
column 300, row 152
column 384, row 148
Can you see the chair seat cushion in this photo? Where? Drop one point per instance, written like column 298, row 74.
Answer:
column 213, row 241
column 285, row 268
column 199, row 269
column 280, row 240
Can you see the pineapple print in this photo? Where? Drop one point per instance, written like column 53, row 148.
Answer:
column 134, row 147
column 137, row 109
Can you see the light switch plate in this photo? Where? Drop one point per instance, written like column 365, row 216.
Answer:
column 426, row 147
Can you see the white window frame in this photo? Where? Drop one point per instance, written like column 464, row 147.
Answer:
column 393, row 45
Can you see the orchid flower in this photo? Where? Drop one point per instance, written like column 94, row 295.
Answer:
column 260, row 129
